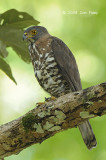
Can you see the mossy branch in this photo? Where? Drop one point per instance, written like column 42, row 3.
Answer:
column 55, row 116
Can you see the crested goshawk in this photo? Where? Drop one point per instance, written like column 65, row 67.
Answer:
column 56, row 70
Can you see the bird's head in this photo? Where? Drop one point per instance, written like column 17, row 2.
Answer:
column 34, row 33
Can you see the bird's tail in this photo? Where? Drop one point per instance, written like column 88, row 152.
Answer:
column 87, row 134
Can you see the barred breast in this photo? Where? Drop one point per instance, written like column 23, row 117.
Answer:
column 47, row 71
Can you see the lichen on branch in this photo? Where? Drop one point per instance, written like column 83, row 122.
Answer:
column 52, row 117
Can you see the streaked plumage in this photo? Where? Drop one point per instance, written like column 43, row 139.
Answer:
column 56, row 70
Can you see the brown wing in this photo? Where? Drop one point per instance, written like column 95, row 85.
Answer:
column 67, row 64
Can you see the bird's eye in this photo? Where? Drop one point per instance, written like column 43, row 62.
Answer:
column 33, row 32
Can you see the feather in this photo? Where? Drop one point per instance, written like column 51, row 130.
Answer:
column 69, row 70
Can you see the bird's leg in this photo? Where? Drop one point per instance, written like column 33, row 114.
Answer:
column 50, row 99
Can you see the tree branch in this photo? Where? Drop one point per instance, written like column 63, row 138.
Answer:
column 47, row 119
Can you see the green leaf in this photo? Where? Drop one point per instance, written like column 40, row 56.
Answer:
column 3, row 51
column 12, row 24
column 17, row 19
column 13, row 38
column 4, row 66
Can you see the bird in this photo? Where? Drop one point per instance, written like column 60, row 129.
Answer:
column 56, row 70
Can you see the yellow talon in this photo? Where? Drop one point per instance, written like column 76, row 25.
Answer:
column 40, row 103
column 50, row 99
column 46, row 100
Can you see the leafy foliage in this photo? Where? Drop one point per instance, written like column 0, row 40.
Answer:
column 6, row 68
column 3, row 51
column 12, row 24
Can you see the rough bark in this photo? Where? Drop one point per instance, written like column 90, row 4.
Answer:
column 52, row 117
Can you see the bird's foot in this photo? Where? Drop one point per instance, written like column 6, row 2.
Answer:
column 50, row 99
column 46, row 100
column 40, row 103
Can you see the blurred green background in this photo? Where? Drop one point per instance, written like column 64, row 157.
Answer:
column 85, row 34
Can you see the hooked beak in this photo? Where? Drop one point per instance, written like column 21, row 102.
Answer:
column 26, row 36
